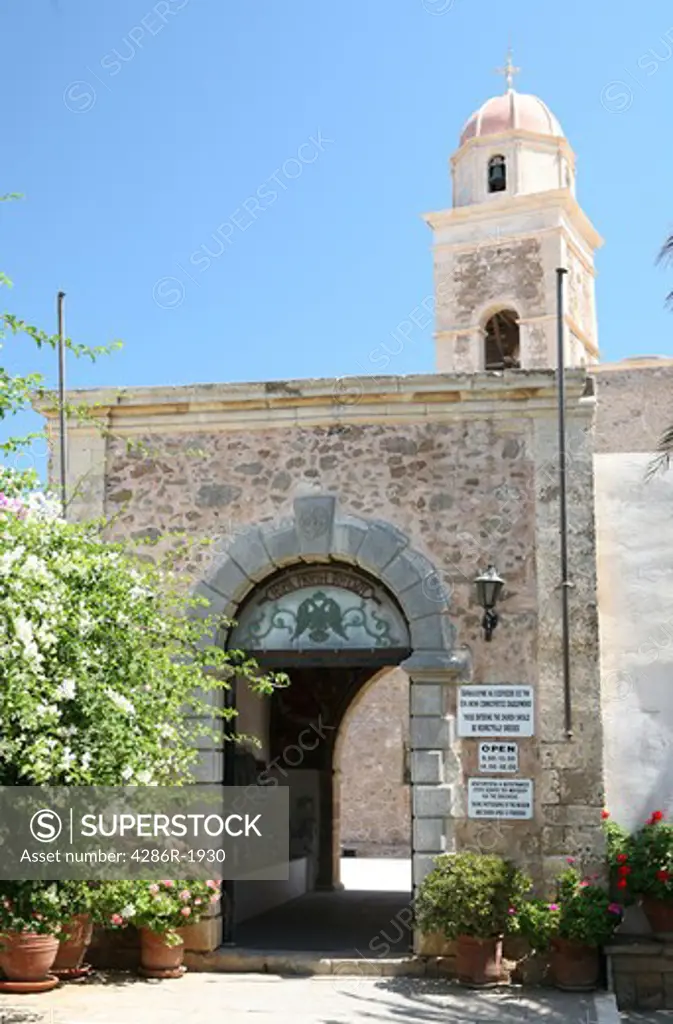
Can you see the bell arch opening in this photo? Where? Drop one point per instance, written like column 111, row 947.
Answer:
column 502, row 341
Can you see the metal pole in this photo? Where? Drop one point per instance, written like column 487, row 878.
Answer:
column 229, row 930
column 563, row 502
column 61, row 401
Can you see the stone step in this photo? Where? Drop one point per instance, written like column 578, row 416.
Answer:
column 238, row 960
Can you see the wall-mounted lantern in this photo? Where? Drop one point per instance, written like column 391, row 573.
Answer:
column 489, row 586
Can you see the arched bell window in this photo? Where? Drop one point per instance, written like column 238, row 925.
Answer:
column 497, row 174
column 501, row 342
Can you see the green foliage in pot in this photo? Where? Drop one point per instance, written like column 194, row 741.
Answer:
column 647, row 868
column 166, row 905
column 76, row 897
column 36, row 907
column 469, row 894
column 584, row 912
column 535, row 920
column 619, row 854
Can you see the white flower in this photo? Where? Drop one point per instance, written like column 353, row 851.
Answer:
column 68, row 757
column 127, row 773
column 24, row 630
column 86, row 760
column 120, row 701
column 128, row 911
column 46, row 709
column 67, row 689
column 145, row 777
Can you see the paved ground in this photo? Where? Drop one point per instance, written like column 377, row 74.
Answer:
column 368, row 917
column 235, row 999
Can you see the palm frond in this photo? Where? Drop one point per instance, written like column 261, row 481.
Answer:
column 662, row 459
column 666, row 251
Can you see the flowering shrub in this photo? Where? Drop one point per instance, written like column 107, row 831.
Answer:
column 35, row 907
column 166, row 905
column 113, row 904
column 644, row 863
column 535, row 920
column 469, row 894
column 99, row 664
column 582, row 912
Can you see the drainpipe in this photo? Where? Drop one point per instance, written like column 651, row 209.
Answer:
column 563, row 502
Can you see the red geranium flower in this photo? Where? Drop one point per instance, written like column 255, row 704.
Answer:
column 622, row 858
column 622, row 883
column 624, row 870
column 663, row 876
column 605, row 815
column 655, row 817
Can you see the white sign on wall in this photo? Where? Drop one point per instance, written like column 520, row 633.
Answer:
column 500, row 798
column 501, row 710
column 498, row 756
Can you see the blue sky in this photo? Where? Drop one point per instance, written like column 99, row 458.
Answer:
column 138, row 129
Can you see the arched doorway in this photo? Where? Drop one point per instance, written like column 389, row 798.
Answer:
column 332, row 629
column 332, row 599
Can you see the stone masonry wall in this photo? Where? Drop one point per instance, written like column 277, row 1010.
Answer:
column 373, row 771
column 466, row 492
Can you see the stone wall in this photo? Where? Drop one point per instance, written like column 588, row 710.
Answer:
column 375, row 797
column 465, row 467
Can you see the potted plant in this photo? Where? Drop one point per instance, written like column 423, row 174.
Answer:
column 161, row 909
column 31, row 916
column 532, row 923
column 467, row 897
column 75, row 937
column 581, row 920
column 647, row 871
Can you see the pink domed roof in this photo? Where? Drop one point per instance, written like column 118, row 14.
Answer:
column 509, row 111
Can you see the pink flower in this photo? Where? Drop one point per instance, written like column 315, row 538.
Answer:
column 554, row 906
column 213, row 885
column 154, row 889
column 117, row 919
column 215, row 897
column 570, row 860
column 186, row 911
column 512, row 910
column 614, row 908
column 167, row 883
column 185, row 895
column 197, row 902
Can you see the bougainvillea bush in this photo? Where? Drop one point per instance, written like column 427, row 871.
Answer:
column 100, row 667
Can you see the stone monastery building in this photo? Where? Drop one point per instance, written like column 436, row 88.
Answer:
column 352, row 516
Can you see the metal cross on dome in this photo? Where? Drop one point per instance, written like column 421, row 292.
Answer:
column 509, row 70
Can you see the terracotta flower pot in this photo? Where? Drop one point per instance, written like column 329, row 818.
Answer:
column 659, row 913
column 75, row 940
column 157, row 958
column 574, row 967
column 479, row 961
column 25, row 956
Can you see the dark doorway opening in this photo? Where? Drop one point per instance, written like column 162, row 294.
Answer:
column 313, row 911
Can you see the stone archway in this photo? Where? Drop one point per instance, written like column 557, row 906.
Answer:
column 319, row 532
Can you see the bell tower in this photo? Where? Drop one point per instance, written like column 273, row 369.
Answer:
column 514, row 220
